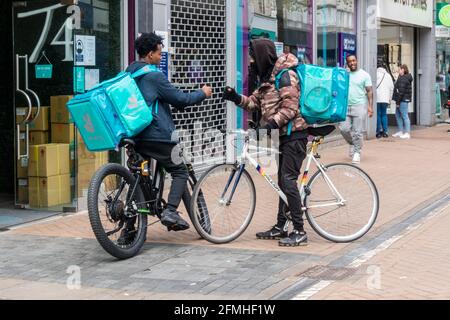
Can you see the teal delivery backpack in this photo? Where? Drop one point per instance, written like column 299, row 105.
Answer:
column 112, row 110
column 324, row 93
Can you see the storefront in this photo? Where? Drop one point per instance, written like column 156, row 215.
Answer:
column 62, row 48
column 402, row 37
column 59, row 48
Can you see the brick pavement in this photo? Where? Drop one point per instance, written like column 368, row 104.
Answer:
column 414, row 267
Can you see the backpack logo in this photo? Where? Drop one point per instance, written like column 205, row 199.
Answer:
column 132, row 102
column 88, row 123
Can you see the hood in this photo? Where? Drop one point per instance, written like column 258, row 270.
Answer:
column 135, row 66
column 286, row 61
column 265, row 55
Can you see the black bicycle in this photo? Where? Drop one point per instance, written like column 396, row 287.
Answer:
column 120, row 200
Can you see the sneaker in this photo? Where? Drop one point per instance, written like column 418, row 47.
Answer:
column 273, row 234
column 356, row 158
column 172, row 220
column 127, row 236
column 379, row 135
column 398, row 134
column 385, row 135
column 406, row 135
column 296, row 238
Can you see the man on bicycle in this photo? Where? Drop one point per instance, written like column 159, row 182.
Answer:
column 158, row 140
column 279, row 108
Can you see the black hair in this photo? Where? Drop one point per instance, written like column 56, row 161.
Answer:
column 146, row 43
column 351, row 55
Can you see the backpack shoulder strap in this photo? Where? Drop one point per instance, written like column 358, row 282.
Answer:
column 145, row 70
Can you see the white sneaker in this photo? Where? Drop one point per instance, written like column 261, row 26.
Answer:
column 356, row 158
column 398, row 134
column 406, row 135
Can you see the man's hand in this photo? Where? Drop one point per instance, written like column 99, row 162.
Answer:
column 230, row 94
column 207, row 90
column 370, row 112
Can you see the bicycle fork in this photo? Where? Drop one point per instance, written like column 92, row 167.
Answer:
column 223, row 201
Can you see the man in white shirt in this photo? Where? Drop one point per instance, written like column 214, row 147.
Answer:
column 360, row 103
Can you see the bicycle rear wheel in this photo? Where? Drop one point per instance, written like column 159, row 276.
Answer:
column 218, row 217
column 114, row 207
column 342, row 222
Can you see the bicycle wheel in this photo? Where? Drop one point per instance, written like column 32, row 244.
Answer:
column 342, row 222
column 112, row 207
column 227, row 218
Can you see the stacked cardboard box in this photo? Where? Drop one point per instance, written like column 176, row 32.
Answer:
column 49, row 175
column 64, row 131
column 38, row 134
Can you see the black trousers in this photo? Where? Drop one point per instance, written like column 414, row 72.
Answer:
column 289, row 165
column 162, row 152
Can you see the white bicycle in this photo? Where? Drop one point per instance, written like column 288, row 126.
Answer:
column 340, row 200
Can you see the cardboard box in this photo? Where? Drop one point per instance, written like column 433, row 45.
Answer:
column 49, row 191
column 38, row 137
column 48, row 160
column 41, row 123
column 22, row 188
column 59, row 112
column 87, row 169
column 22, row 168
column 63, row 133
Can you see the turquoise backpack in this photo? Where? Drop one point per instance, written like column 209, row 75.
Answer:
column 324, row 93
column 112, row 110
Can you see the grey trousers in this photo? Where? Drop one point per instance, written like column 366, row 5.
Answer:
column 353, row 127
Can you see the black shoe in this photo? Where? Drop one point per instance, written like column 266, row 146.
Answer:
column 127, row 236
column 273, row 234
column 172, row 220
column 378, row 135
column 385, row 135
column 296, row 238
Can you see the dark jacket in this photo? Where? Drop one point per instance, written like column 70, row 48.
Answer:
column 154, row 86
column 403, row 89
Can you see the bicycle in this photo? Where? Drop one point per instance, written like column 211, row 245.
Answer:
column 120, row 197
column 340, row 200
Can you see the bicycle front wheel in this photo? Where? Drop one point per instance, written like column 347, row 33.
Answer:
column 218, row 214
column 342, row 221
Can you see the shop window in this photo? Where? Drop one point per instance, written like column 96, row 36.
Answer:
column 334, row 19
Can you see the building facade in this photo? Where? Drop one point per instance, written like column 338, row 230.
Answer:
column 55, row 49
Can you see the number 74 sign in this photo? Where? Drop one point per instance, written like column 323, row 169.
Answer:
column 72, row 22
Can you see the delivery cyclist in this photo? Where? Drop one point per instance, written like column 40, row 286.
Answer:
column 158, row 140
column 279, row 108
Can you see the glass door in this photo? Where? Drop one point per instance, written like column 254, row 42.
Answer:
column 61, row 48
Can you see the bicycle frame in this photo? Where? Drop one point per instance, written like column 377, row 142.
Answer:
column 311, row 157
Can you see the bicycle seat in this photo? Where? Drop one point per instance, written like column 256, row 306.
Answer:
column 125, row 142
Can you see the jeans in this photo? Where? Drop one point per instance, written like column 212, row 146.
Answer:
column 353, row 127
column 289, row 165
column 402, row 116
column 382, row 119
column 162, row 152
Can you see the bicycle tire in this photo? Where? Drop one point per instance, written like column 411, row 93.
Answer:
column 208, row 199
column 120, row 252
column 320, row 228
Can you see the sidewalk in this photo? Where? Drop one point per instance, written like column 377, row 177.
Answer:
column 407, row 174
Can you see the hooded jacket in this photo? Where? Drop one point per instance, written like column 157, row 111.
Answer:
column 403, row 89
column 154, row 86
column 385, row 86
column 280, row 106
